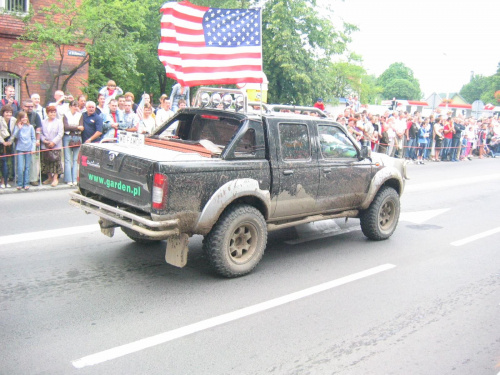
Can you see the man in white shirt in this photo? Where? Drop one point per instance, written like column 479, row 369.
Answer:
column 37, row 107
column 164, row 113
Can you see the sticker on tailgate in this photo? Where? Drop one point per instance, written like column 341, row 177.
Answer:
column 115, row 185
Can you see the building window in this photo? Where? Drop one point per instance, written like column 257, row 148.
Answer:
column 21, row 6
column 7, row 79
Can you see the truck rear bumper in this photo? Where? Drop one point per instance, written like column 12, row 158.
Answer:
column 120, row 217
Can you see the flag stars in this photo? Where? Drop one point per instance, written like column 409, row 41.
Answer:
column 231, row 28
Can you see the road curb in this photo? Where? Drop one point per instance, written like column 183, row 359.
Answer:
column 13, row 189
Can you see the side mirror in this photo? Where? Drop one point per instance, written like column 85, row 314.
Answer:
column 366, row 152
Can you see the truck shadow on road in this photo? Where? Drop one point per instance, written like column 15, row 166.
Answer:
column 293, row 247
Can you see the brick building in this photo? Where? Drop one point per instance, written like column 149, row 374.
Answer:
column 26, row 79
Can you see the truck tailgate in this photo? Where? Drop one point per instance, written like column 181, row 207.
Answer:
column 121, row 173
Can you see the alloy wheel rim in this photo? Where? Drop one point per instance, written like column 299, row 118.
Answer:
column 242, row 243
column 386, row 216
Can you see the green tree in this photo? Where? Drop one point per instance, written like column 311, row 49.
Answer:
column 109, row 31
column 348, row 78
column 401, row 89
column 398, row 81
column 370, row 91
column 298, row 43
column 482, row 88
column 119, row 42
column 61, row 26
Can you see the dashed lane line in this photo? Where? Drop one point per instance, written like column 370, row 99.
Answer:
column 476, row 237
column 47, row 234
column 164, row 337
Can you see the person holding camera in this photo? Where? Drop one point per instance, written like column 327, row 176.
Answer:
column 10, row 95
column 61, row 103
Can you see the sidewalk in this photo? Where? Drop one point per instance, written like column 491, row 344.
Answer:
column 13, row 190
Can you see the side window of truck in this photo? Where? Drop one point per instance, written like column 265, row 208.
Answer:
column 334, row 143
column 294, row 141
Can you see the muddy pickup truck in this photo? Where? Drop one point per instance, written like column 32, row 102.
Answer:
column 232, row 174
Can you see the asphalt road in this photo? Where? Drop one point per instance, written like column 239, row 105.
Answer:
column 324, row 299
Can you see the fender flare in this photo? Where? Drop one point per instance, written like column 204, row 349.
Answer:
column 227, row 194
column 385, row 174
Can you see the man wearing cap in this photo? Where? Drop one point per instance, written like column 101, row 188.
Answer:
column 319, row 104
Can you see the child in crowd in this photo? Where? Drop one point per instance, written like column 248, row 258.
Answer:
column 24, row 134
column 110, row 91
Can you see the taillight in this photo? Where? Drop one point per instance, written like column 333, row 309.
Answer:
column 160, row 191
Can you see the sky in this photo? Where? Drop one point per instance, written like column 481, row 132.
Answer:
column 442, row 41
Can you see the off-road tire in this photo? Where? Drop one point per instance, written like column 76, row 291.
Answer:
column 139, row 237
column 236, row 243
column 380, row 220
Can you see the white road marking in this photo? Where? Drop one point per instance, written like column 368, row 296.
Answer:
column 476, row 237
column 43, row 235
column 419, row 217
column 162, row 338
column 439, row 185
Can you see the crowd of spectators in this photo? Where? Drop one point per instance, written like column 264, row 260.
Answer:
column 33, row 138
column 37, row 141
column 438, row 137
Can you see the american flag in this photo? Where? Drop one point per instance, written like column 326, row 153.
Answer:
column 202, row 46
column 140, row 109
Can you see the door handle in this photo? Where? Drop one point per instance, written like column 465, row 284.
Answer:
column 288, row 172
column 327, row 170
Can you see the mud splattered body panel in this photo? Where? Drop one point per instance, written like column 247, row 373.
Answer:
column 290, row 167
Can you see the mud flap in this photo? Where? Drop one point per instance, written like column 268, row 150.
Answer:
column 177, row 250
column 107, row 227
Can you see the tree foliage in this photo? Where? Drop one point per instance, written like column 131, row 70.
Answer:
column 62, row 25
column 398, row 81
column 347, row 78
column 298, row 43
column 482, row 88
